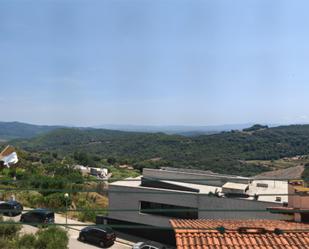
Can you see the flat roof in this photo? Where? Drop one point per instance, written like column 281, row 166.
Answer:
column 203, row 189
column 136, row 182
column 128, row 182
column 198, row 172
column 275, row 188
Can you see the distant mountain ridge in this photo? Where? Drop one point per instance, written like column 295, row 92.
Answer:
column 185, row 130
column 13, row 130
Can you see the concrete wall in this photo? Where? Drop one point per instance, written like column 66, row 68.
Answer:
column 300, row 201
column 297, row 200
column 210, row 202
column 126, row 198
column 291, row 198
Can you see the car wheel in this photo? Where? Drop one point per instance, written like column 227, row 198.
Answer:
column 82, row 238
column 102, row 244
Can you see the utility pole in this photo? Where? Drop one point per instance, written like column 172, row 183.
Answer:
column 66, row 196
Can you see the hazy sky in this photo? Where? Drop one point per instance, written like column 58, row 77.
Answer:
column 186, row 62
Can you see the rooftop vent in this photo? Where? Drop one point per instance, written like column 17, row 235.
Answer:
column 252, row 230
column 278, row 231
column 278, row 198
column 221, row 229
column 262, row 185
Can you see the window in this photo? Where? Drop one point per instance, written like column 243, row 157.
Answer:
column 98, row 233
column 36, row 215
column 4, row 206
column 168, row 210
column 50, row 215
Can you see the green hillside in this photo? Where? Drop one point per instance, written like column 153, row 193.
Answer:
column 12, row 130
column 227, row 152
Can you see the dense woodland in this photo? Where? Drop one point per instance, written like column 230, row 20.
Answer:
column 222, row 153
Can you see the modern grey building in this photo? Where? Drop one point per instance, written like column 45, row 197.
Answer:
column 161, row 194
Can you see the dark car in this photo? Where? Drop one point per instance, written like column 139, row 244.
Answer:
column 11, row 208
column 39, row 215
column 104, row 237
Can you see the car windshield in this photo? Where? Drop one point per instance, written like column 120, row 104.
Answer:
column 45, row 213
column 106, row 229
column 50, row 215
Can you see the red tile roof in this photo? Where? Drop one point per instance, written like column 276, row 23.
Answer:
column 203, row 234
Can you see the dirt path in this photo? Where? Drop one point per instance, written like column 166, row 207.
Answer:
column 288, row 173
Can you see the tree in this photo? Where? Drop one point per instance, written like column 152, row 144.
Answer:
column 82, row 158
column 256, row 127
column 111, row 160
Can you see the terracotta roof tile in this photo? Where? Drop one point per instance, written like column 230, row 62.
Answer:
column 212, row 225
column 203, row 234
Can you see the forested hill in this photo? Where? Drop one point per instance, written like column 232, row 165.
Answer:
column 227, row 152
column 11, row 130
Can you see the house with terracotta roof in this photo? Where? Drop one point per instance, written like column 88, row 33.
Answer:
column 8, row 156
column 240, row 234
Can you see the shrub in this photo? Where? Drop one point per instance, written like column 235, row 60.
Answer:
column 27, row 241
column 52, row 238
column 30, row 198
column 87, row 214
column 9, row 230
column 7, row 244
column 56, row 200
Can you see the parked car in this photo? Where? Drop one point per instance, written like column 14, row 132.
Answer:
column 11, row 208
column 38, row 215
column 148, row 245
column 104, row 237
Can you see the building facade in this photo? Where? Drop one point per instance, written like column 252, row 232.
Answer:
column 160, row 195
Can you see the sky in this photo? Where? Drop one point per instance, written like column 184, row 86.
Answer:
column 154, row 62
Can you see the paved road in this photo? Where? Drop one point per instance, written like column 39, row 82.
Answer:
column 73, row 233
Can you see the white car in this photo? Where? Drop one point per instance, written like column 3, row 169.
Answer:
column 148, row 245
